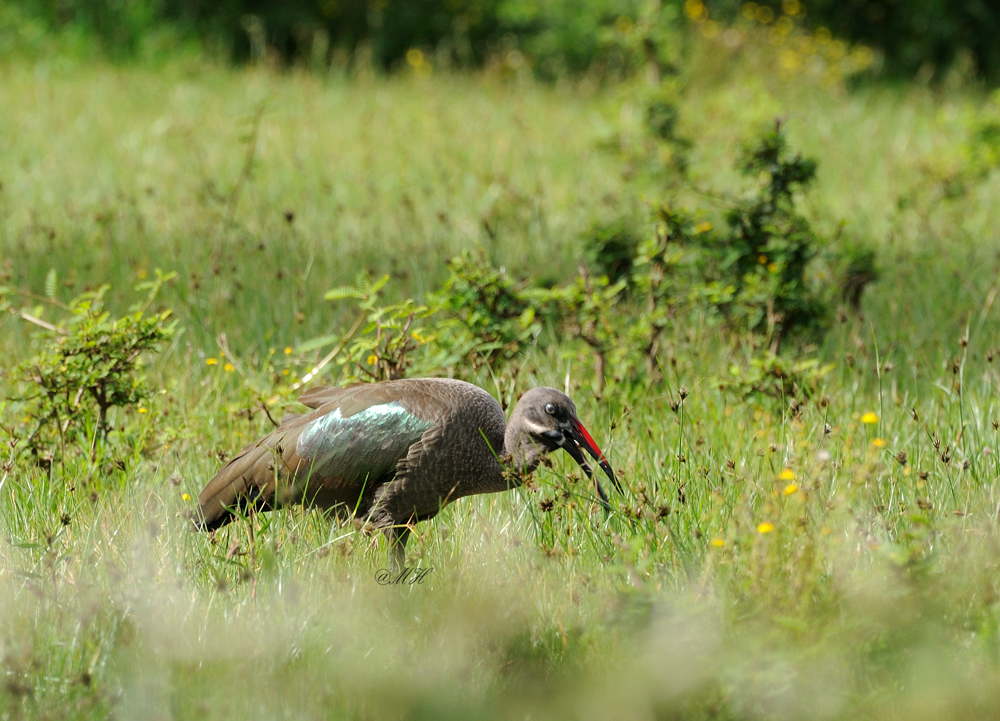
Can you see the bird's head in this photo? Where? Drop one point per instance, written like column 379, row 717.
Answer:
column 544, row 420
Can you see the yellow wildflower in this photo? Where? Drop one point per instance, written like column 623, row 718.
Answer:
column 718, row 542
column 878, row 442
column 869, row 417
column 695, row 9
column 285, row 372
column 787, row 475
column 228, row 368
column 762, row 259
column 372, row 359
column 142, row 410
column 288, row 350
column 772, row 267
column 790, row 489
column 185, row 497
column 211, row 361
column 765, row 527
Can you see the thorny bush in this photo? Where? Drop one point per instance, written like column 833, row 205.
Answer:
column 90, row 364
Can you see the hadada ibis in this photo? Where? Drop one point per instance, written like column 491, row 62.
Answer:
column 395, row 453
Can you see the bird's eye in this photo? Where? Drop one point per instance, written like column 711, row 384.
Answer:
column 550, row 408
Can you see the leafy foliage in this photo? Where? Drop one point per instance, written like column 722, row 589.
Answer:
column 573, row 35
column 384, row 349
column 91, row 365
column 658, row 285
column 587, row 309
column 663, row 112
column 490, row 317
column 617, row 36
column 479, row 317
column 756, row 271
column 760, row 273
column 611, row 248
column 769, row 245
column 916, row 37
column 771, row 375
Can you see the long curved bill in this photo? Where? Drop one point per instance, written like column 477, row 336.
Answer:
column 580, row 438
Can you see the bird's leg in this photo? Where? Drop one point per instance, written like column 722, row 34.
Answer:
column 398, row 536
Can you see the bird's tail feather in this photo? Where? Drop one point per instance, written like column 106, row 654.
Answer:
column 246, row 482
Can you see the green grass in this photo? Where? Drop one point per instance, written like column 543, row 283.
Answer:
column 874, row 596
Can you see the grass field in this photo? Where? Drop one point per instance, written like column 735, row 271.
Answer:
column 763, row 564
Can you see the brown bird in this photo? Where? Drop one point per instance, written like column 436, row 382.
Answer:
column 395, row 453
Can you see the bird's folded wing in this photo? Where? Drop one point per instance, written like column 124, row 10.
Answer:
column 352, row 441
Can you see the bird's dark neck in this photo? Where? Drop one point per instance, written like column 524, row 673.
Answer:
column 521, row 453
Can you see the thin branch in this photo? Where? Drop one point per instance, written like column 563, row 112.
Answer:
column 263, row 407
column 327, row 358
column 41, row 323
column 40, row 298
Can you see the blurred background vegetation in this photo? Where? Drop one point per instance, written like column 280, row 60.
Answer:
column 758, row 243
column 912, row 38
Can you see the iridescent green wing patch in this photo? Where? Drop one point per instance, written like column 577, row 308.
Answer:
column 365, row 445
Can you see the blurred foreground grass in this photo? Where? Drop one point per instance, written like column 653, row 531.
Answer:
column 838, row 560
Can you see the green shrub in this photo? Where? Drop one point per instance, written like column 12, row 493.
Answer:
column 383, row 341
column 478, row 317
column 572, row 35
column 914, row 37
column 611, row 248
column 617, row 36
column 760, row 262
column 859, row 268
column 90, row 365
column 490, row 318
column 662, row 116
column 917, row 36
column 759, row 273
column 588, row 309
column 776, row 377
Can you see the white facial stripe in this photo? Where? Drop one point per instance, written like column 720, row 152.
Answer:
column 535, row 428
